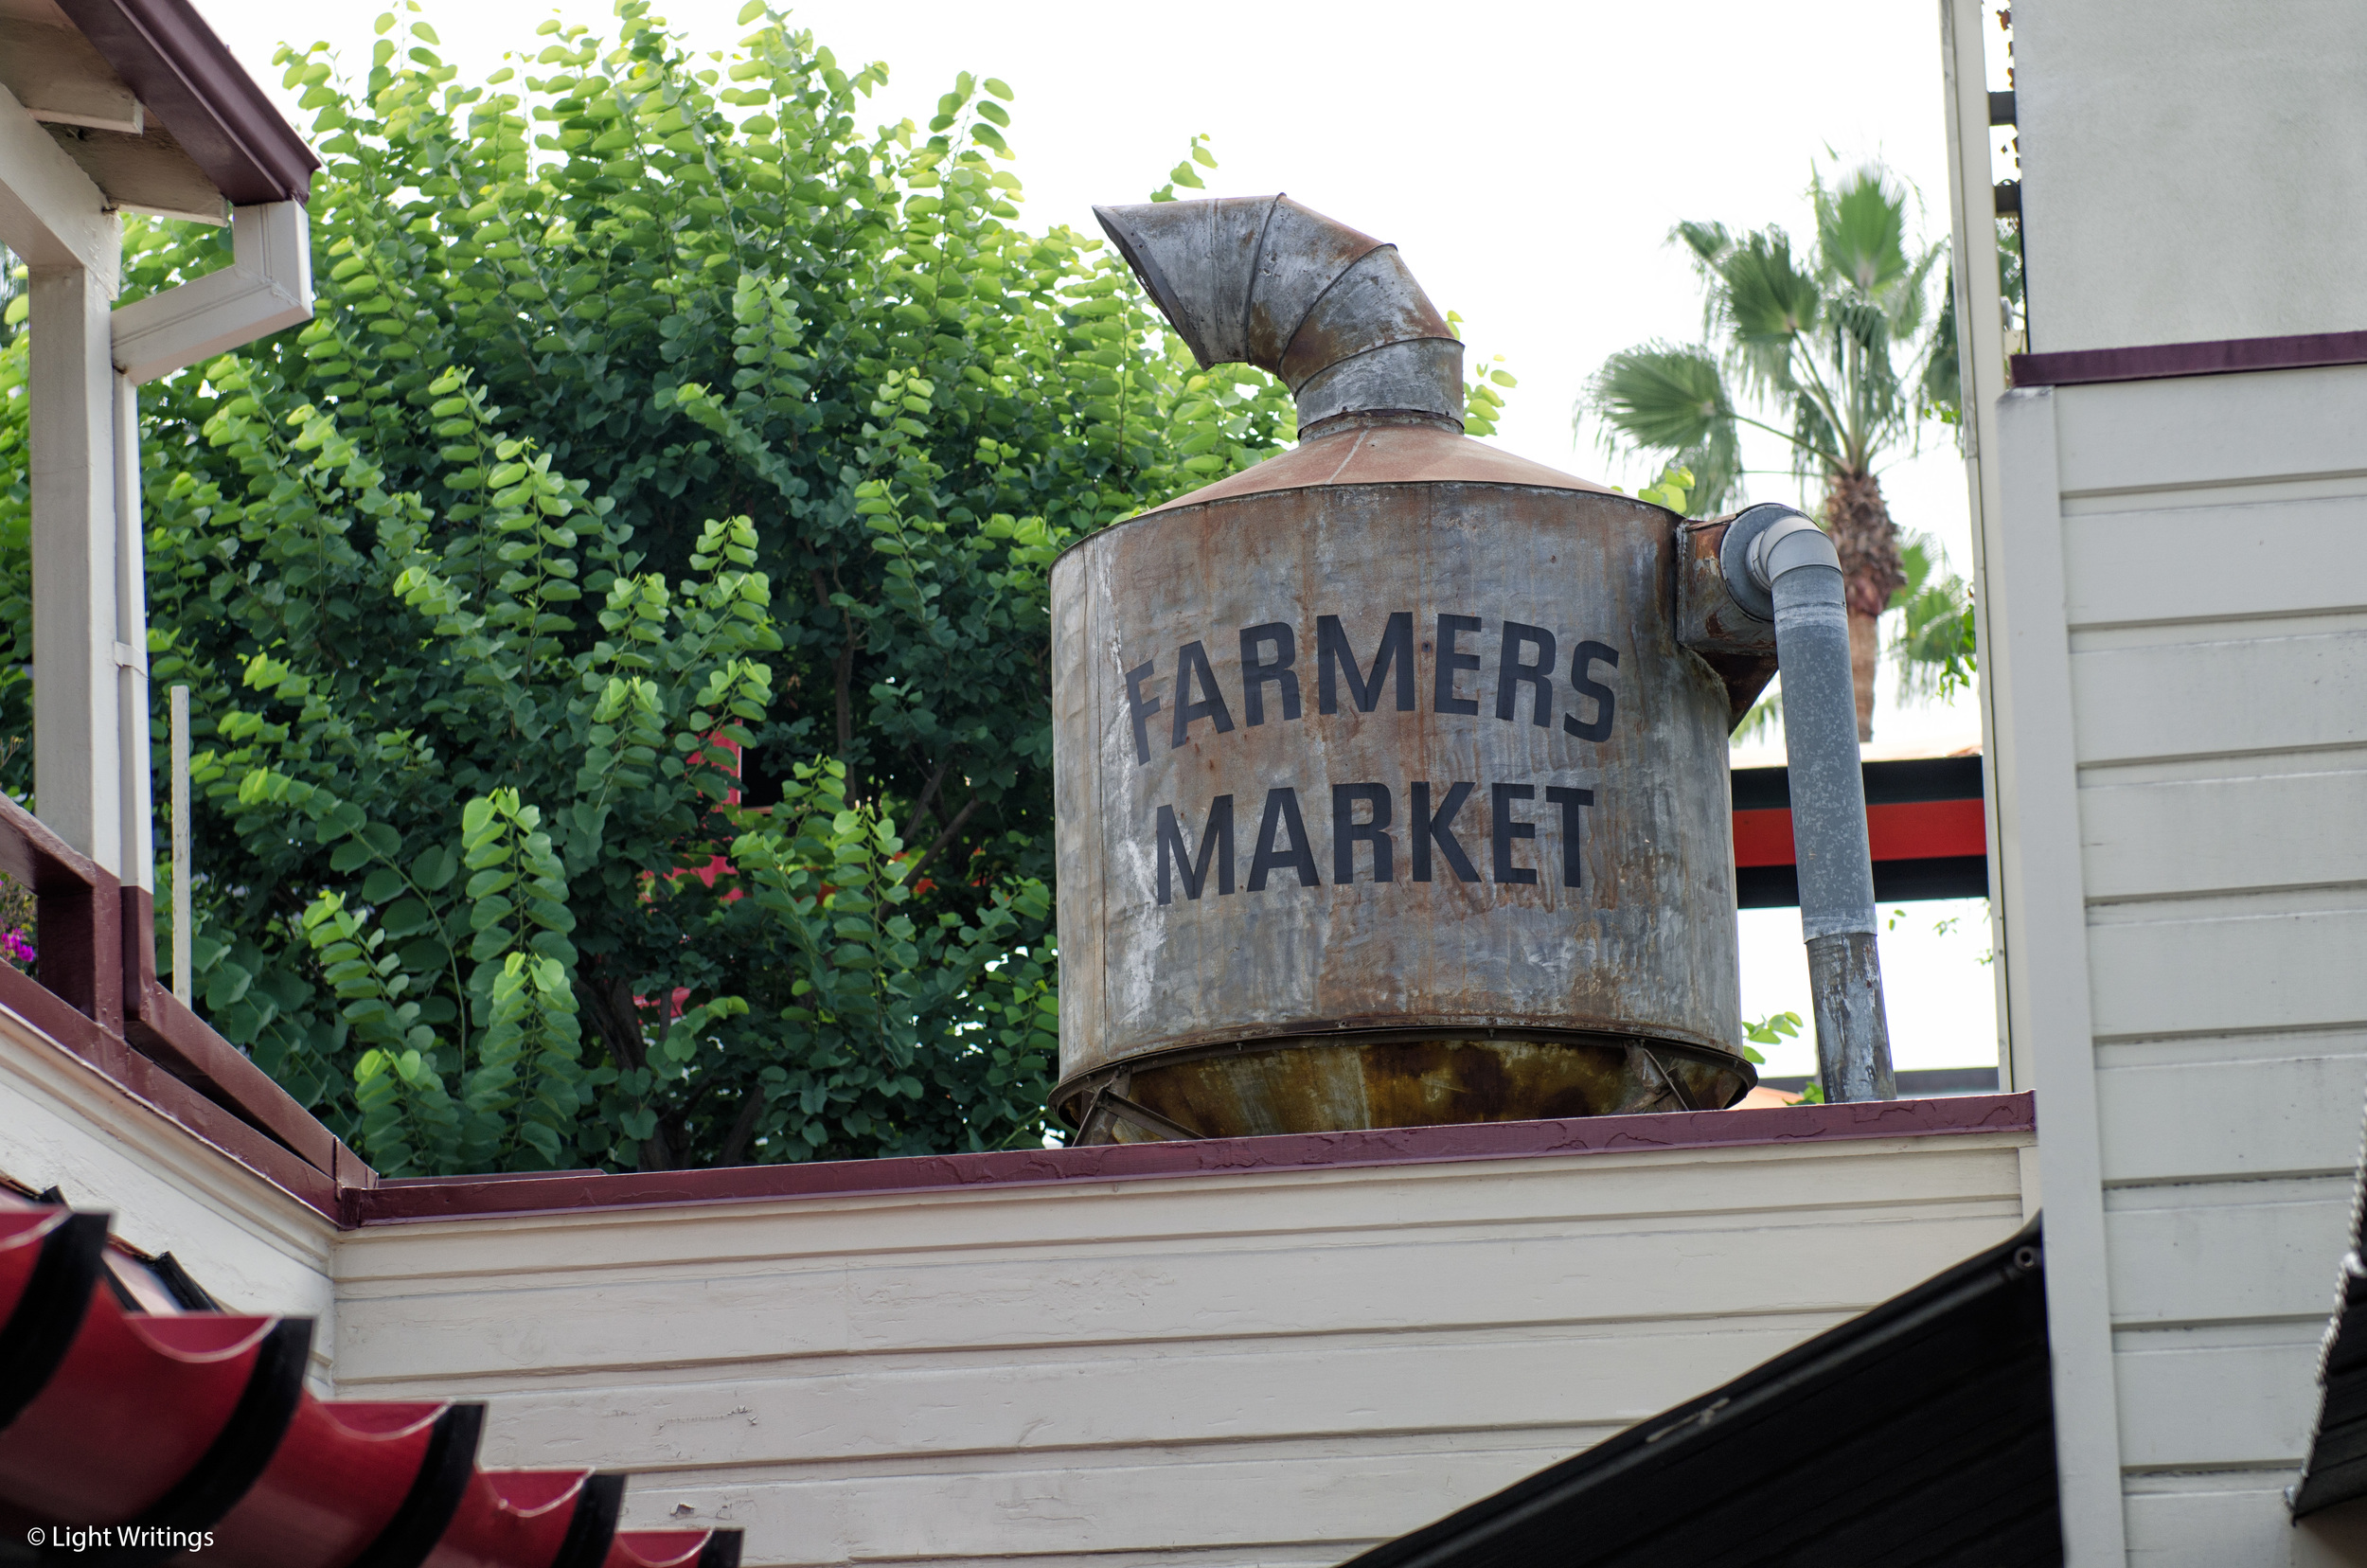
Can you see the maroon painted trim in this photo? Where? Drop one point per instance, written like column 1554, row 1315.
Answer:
column 457, row 1196
column 171, row 60
column 2161, row 361
column 160, row 1028
column 97, row 998
column 150, row 1083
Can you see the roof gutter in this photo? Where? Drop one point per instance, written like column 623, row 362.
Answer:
column 267, row 286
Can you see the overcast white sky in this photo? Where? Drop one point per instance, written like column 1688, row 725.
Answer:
column 1528, row 159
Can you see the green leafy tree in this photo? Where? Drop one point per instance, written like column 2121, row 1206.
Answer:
column 1818, row 341
column 618, row 622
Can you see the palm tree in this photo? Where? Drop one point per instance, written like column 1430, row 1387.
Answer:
column 1814, row 343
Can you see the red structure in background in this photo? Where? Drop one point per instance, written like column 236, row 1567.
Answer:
column 1924, row 818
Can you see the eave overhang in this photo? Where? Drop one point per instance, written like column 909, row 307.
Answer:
column 151, row 106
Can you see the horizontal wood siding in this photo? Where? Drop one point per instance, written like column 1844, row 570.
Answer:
column 2214, row 544
column 1271, row 1369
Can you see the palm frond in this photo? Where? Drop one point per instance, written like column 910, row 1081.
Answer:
column 1941, row 386
column 1764, row 719
column 1861, row 228
column 1907, row 301
column 1671, row 400
column 1934, row 645
column 1707, row 241
column 1661, row 397
column 1767, row 299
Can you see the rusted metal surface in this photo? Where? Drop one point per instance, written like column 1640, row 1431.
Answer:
column 1470, row 697
column 1853, row 1041
column 1740, row 646
column 1394, row 1079
column 1385, row 452
column 1265, row 282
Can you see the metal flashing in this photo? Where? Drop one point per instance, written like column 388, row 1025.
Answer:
column 2163, row 361
column 432, row 1198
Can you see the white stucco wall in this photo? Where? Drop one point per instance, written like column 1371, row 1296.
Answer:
column 1276, row 1368
column 2191, row 169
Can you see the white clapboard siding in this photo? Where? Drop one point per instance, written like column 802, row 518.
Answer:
column 2212, row 535
column 2286, row 962
column 2228, row 830
column 2292, row 549
column 2216, row 1518
column 2221, row 694
column 2257, row 1116
column 2253, row 1381
column 2229, row 1251
column 2158, row 442
column 1241, row 1368
column 252, row 1246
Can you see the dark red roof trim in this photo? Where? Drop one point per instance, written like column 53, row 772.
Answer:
column 454, row 1197
column 2162, row 361
column 172, row 61
column 177, row 1101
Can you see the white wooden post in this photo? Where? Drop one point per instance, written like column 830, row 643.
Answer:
column 133, row 747
column 77, row 701
column 181, row 976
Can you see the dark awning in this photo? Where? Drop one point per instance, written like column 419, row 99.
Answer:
column 2335, row 1468
column 1920, row 1433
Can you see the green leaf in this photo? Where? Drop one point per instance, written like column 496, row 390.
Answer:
column 434, row 868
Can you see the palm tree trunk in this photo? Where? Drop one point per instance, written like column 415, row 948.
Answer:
column 1859, row 524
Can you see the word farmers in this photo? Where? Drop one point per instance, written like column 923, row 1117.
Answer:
column 1528, row 668
column 1365, row 815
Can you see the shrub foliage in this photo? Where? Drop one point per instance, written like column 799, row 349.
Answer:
column 617, row 621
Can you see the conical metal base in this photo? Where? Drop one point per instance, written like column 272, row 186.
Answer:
column 1334, row 1084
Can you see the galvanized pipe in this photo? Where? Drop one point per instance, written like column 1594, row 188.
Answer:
column 1262, row 280
column 1788, row 559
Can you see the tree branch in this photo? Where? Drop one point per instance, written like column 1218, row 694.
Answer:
column 920, row 807
column 943, row 838
column 743, row 1127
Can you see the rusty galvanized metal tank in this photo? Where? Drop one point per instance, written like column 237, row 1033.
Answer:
column 1391, row 772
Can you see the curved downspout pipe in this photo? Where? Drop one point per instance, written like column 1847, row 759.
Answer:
column 1262, row 280
column 1778, row 564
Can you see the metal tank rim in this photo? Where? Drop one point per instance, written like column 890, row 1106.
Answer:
column 1069, row 1088
column 1187, row 502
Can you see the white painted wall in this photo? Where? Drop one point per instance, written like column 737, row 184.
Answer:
column 2180, row 581
column 252, row 1246
column 1266, row 1367
column 2191, row 168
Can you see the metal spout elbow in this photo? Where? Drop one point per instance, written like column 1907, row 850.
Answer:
column 1262, row 280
